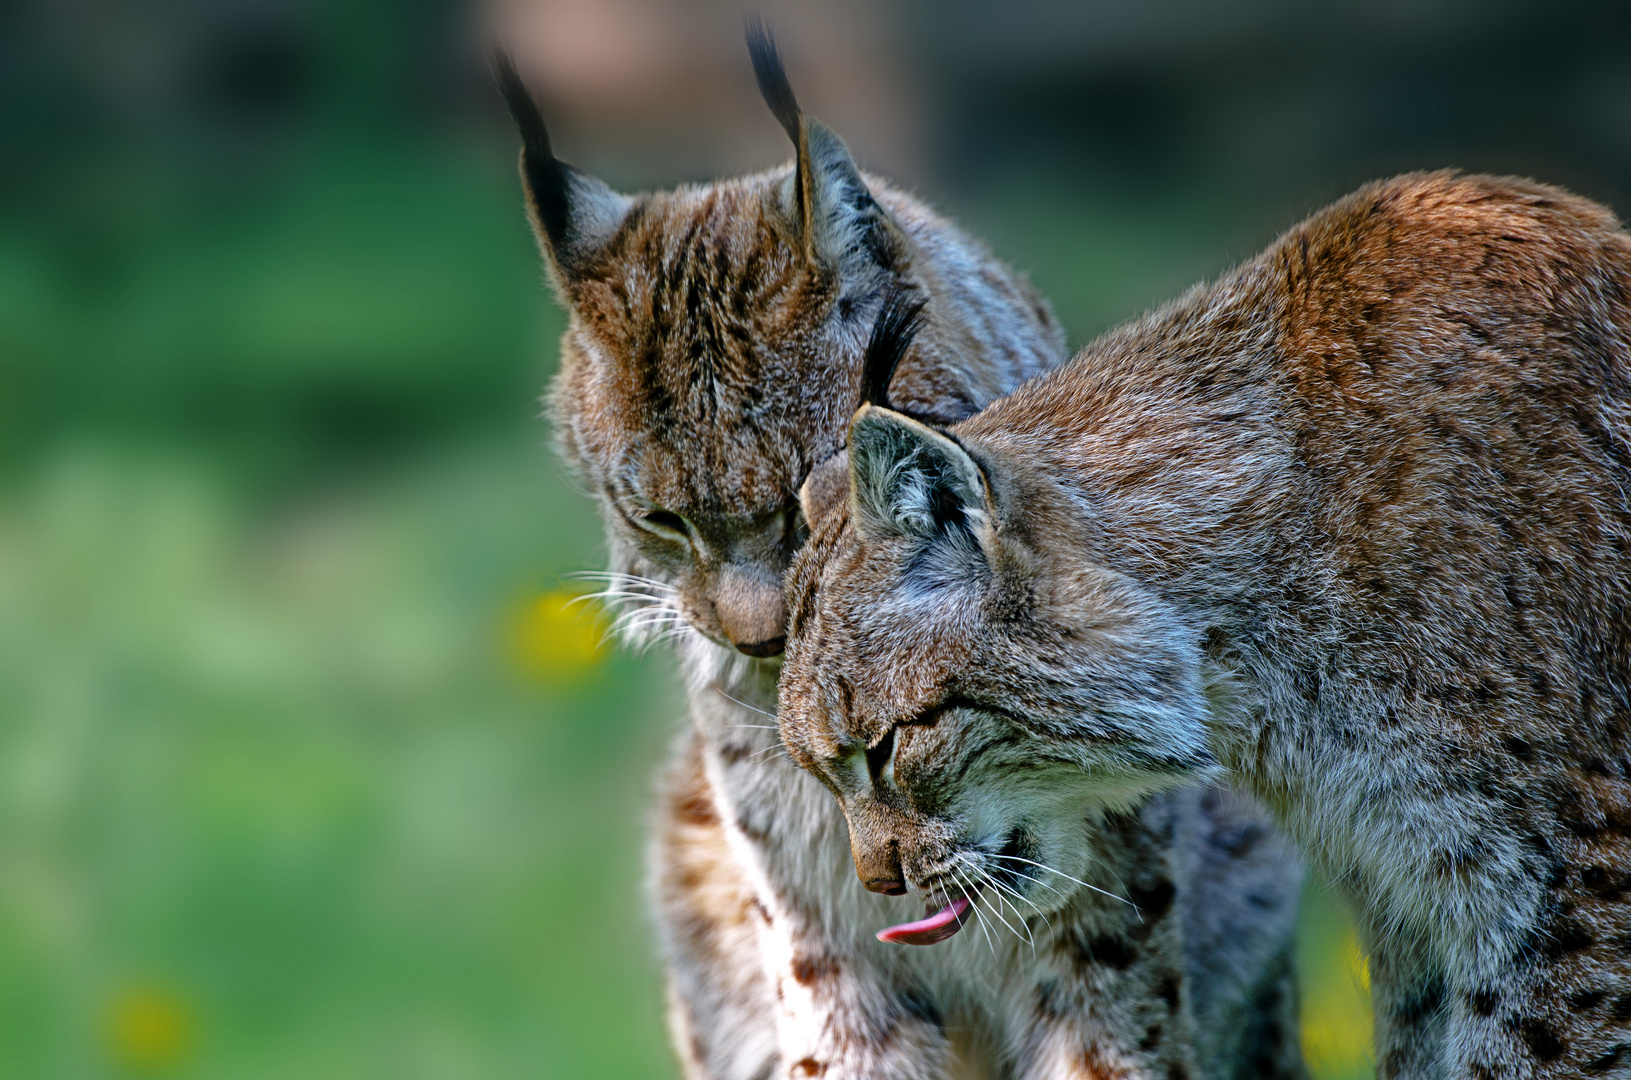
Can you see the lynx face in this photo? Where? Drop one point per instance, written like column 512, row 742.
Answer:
column 963, row 682
column 681, row 326
column 714, row 352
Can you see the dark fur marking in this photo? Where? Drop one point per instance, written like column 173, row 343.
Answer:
column 1106, row 951
column 1586, row 999
column 1169, row 992
column 1239, row 841
column 919, row 1007
column 1542, row 1041
column 1484, row 1001
column 1568, row 937
column 695, row 808
column 811, row 969
column 1415, row 1008
column 1606, row 1061
column 1155, row 901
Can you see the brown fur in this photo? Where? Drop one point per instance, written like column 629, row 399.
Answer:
column 1352, row 523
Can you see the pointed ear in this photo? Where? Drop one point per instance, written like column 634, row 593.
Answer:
column 907, row 479
column 572, row 213
column 840, row 223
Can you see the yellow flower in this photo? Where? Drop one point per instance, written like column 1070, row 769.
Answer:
column 559, row 636
column 149, row 1027
column 1358, row 963
column 1336, row 1015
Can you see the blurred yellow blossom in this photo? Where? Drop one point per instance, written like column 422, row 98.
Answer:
column 559, row 635
column 149, row 1027
column 1337, row 1019
column 1358, row 963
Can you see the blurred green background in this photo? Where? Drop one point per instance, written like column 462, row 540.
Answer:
column 305, row 767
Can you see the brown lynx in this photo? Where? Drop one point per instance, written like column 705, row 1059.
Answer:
column 713, row 358
column 1354, row 523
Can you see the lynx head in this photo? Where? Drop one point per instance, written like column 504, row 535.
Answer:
column 967, row 680
column 712, row 358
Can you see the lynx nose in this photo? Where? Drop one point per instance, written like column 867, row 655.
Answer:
column 875, row 850
column 748, row 601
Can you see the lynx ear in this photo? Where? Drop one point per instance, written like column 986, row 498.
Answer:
column 572, row 213
column 840, row 223
column 909, row 480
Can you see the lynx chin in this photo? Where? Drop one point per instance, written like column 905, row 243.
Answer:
column 712, row 359
column 1351, row 525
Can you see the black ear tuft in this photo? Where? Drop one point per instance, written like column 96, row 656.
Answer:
column 897, row 326
column 523, row 109
column 772, row 76
column 546, row 174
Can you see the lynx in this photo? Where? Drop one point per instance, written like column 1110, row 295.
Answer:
column 712, row 360
column 1350, row 525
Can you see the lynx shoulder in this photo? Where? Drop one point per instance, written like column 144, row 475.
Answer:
column 1350, row 524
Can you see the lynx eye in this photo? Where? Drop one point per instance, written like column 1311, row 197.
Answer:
column 878, row 754
column 667, row 521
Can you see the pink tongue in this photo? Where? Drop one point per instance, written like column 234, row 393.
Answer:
column 937, row 927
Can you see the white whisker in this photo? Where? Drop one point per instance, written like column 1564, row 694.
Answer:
column 1001, row 886
column 979, row 916
column 999, row 898
column 994, row 909
column 1067, row 877
column 754, row 708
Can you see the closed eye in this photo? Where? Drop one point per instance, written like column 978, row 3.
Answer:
column 666, row 521
column 878, row 755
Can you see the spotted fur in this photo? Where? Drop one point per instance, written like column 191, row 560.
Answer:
column 1352, row 524
column 713, row 357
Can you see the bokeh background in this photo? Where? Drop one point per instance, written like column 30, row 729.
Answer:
column 306, row 767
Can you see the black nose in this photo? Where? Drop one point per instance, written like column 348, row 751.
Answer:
column 761, row 649
column 888, row 888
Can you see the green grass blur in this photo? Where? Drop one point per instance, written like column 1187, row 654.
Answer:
column 294, row 781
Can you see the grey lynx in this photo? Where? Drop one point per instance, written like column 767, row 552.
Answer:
column 1353, row 523
column 712, row 360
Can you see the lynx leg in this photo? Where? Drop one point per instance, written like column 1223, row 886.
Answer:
column 1128, row 1025
column 1239, row 880
column 838, row 1019
column 1271, row 1048
column 721, row 1009
column 1409, row 999
column 1109, row 994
